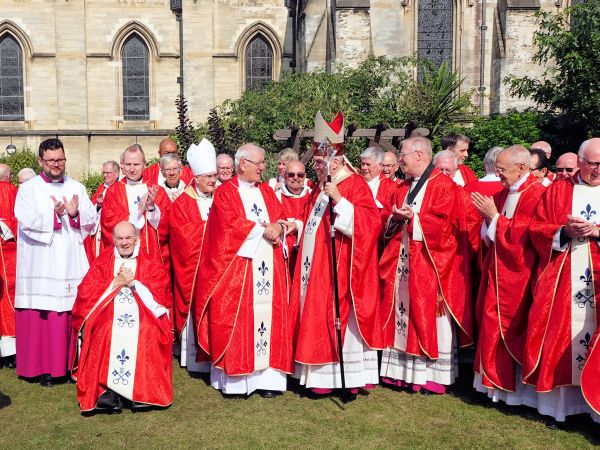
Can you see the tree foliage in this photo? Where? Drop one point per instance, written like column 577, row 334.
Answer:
column 568, row 47
column 21, row 159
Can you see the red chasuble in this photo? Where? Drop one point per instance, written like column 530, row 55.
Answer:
column 89, row 243
column 385, row 194
column 93, row 321
column 467, row 174
column 315, row 335
column 505, row 292
column 115, row 209
column 552, row 357
column 224, row 293
column 431, row 265
column 8, row 259
column 186, row 241
column 489, row 188
column 151, row 174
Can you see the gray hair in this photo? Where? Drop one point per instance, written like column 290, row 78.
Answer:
column 244, row 151
column 373, row 152
column 169, row 157
column 489, row 160
column 420, row 144
column 27, row 173
column 583, row 148
column 287, row 155
column 222, row 156
column 518, row 154
column 445, row 154
column 114, row 164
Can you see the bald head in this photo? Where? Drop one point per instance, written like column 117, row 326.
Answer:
column 125, row 238
column 167, row 146
column 543, row 145
column 5, row 172
column 566, row 165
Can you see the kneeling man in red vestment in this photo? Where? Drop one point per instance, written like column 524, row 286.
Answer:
column 123, row 327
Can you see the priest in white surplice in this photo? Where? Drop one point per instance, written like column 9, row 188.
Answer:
column 55, row 215
column 241, row 301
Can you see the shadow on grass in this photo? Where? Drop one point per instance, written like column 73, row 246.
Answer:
column 4, row 400
column 580, row 423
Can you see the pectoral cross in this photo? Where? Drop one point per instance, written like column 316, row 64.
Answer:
column 69, row 288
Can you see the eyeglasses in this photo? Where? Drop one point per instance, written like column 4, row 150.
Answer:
column 107, row 173
column 224, row 169
column 389, row 166
column 592, row 164
column 403, row 154
column 54, row 162
column 565, row 169
column 256, row 163
column 505, row 169
column 177, row 169
column 297, row 174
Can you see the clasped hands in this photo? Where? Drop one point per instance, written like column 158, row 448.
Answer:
column 274, row 231
column 402, row 214
column 147, row 200
column 578, row 227
column 66, row 207
column 124, row 277
column 485, row 205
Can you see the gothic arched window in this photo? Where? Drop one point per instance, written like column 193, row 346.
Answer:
column 259, row 62
column 136, row 79
column 11, row 79
column 435, row 31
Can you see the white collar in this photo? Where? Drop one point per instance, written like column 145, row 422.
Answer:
column 515, row 187
column 136, row 251
column 246, row 184
column 286, row 192
column 135, row 183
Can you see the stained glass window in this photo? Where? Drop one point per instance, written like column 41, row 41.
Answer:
column 11, row 79
column 259, row 63
column 136, row 80
column 435, row 31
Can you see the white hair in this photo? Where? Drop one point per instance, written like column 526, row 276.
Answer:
column 244, row 151
column 419, row 143
column 169, row 157
column 583, row 148
column 518, row 154
column 222, row 156
column 373, row 152
column 489, row 160
column 287, row 155
column 27, row 173
column 445, row 154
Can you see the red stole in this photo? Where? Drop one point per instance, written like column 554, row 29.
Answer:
column 548, row 354
column 315, row 335
column 8, row 259
column 505, row 293
column 186, row 241
column 152, row 384
column 223, row 302
column 467, row 174
column 115, row 209
column 151, row 174
column 431, row 264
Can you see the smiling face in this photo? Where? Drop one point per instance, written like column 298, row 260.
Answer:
column 253, row 165
column 390, row 164
column 206, row 182
column 447, row 166
column 295, row 174
column 172, row 172
column 370, row 168
column 109, row 174
column 508, row 170
column 53, row 163
column 566, row 165
column 125, row 238
column 589, row 165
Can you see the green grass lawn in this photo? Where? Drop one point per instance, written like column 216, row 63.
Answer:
column 201, row 418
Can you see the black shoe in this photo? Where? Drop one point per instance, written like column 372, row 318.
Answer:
column 138, row 407
column 268, row 394
column 109, row 401
column 46, row 380
column 10, row 362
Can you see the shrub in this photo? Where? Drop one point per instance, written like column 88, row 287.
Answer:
column 91, row 181
column 21, row 159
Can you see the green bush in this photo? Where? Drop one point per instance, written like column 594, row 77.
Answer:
column 21, row 159
column 91, row 181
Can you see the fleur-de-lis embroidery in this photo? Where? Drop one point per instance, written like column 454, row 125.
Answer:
column 137, row 200
column 263, row 269
column 256, row 210
column 402, row 309
column 310, row 227
column 304, row 281
column 122, row 357
column 588, row 212
column 586, row 341
column 126, row 319
column 586, row 295
column 318, row 207
column 262, row 329
column 306, row 264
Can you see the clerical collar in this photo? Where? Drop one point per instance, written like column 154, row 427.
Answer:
column 515, row 187
column 47, row 179
column 134, row 183
column 202, row 194
column 373, row 181
column 342, row 174
column 136, row 251
column 246, row 184
column 176, row 187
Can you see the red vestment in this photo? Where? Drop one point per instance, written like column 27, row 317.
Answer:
column 385, row 194
column 549, row 352
column 93, row 322
column 467, row 174
column 115, row 209
column 89, row 243
column 315, row 333
column 431, row 269
column 224, row 293
column 293, row 209
column 186, row 241
column 151, row 174
column 488, row 188
column 8, row 258
column 505, row 292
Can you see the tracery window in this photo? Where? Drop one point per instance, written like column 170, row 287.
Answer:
column 136, row 79
column 259, row 63
column 11, row 79
column 435, row 31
